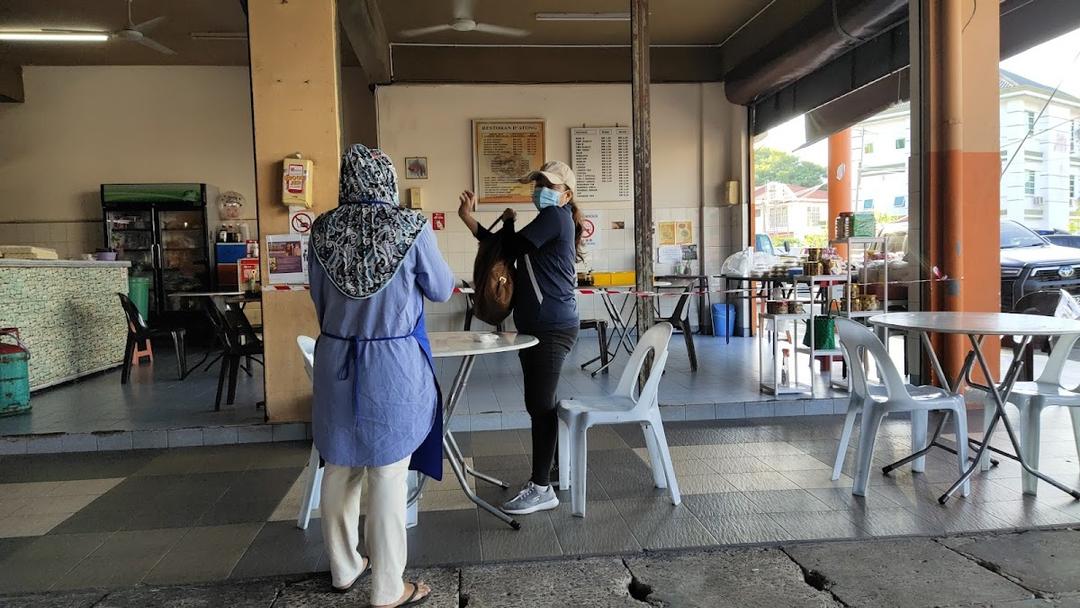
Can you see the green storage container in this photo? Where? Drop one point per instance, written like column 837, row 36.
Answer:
column 139, row 292
column 14, row 374
column 863, row 224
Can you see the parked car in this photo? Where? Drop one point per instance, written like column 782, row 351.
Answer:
column 1029, row 262
column 1064, row 239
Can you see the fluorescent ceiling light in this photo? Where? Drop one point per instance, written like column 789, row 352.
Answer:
column 582, row 16
column 54, row 36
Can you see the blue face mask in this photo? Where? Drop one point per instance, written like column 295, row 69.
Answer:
column 546, row 197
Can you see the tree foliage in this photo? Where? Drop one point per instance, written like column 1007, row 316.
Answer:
column 772, row 165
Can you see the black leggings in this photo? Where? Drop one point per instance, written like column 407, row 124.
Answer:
column 541, row 366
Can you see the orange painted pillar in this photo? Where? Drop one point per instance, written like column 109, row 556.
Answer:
column 963, row 199
column 839, row 181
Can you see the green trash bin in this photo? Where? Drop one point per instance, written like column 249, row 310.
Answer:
column 139, row 292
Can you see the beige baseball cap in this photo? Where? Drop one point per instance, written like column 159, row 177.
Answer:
column 556, row 172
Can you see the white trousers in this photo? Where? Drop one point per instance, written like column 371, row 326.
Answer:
column 384, row 526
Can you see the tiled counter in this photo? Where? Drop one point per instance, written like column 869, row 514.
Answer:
column 68, row 314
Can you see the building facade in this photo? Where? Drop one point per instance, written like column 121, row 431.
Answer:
column 1040, row 151
column 787, row 212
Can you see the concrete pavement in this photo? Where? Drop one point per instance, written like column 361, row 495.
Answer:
column 1038, row 568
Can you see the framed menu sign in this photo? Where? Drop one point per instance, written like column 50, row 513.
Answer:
column 602, row 160
column 504, row 150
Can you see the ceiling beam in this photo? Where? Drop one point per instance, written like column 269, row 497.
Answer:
column 366, row 32
column 556, row 64
column 11, row 84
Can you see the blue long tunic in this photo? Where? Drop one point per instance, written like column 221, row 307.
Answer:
column 395, row 397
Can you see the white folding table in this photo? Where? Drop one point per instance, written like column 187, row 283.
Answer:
column 976, row 326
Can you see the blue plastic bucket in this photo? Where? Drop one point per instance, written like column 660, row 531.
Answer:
column 723, row 319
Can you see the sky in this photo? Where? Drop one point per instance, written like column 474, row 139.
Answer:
column 1050, row 63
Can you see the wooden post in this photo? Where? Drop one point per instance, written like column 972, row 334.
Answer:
column 643, row 222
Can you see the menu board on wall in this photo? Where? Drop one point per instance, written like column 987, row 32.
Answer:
column 602, row 159
column 504, row 151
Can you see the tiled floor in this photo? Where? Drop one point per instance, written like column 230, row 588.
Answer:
column 195, row 514
column 726, row 386
column 153, row 399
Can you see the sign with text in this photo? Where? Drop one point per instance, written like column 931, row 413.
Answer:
column 591, row 234
column 503, row 152
column 603, row 162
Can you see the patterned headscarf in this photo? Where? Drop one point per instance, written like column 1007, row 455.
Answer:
column 362, row 243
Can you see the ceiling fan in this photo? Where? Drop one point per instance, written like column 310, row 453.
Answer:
column 132, row 32
column 464, row 22
column 137, row 33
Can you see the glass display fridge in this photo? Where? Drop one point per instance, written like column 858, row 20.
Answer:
column 161, row 229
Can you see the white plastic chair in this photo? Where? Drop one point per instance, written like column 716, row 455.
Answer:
column 856, row 406
column 314, row 480
column 858, row 342
column 621, row 406
column 1030, row 398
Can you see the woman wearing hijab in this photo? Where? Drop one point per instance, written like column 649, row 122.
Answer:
column 545, row 306
column 377, row 408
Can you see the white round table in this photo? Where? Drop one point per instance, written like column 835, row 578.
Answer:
column 468, row 345
column 472, row 343
column 978, row 323
column 976, row 326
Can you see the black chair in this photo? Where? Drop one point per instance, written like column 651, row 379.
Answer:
column 680, row 320
column 140, row 331
column 1042, row 303
column 238, row 341
column 601, row 340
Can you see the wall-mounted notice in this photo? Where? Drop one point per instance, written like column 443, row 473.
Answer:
column 503, row 152
column 590, row 231
column 287, row 258
column 602, row 159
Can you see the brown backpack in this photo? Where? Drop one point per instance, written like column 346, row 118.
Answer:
column 493, row 280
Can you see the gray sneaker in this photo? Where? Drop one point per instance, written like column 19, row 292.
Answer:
column 531, row 499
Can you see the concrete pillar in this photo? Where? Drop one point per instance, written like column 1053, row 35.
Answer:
column 839, row 180
column 295, row 107
column 963, row 200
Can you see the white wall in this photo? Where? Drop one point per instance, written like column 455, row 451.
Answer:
column 83, row 126
column 698, row 143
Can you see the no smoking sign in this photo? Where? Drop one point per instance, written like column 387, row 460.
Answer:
column 587, row 228
column 300, row 221
column 589, row 233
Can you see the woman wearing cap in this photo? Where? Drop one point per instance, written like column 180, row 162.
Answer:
column 376, row 409
column 544, row 306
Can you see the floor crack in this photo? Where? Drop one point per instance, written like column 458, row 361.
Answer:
column 638, row 590
column 992, row 567
column 463, row 598
column 815, row 579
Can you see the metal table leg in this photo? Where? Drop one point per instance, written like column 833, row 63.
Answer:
column 734, row 312
column 965, row 371
column 453, row 452
column 621, row 330
column 1000, row 395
